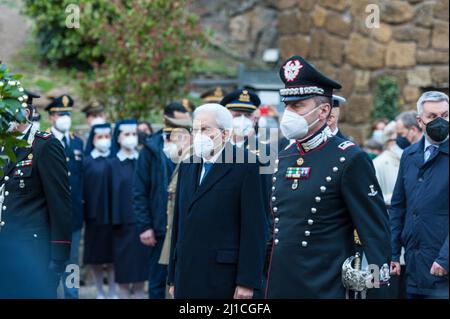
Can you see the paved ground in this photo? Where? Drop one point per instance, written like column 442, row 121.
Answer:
column 13, row 30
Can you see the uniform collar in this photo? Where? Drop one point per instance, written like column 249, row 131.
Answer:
column 24, row 133
column 319, row 138
column 60, row 135
column 335, row 131
column 96, row 154
column 122, row 156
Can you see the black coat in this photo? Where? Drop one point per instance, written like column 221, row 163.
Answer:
column 152, row 175
column 36, row 219
column 218, row 230
column 419, row 218
column 314, row 222
column 74, row 157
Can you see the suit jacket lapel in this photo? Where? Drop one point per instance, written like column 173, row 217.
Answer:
column 419, row 160
column 192, row 174
column 218, row 170
column 442, row 148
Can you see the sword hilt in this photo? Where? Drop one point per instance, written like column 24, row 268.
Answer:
column 357, row 261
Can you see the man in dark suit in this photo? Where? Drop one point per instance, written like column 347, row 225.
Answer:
column 60, row 110
column 420, row 204
column 218, row 243
column 154, row 169
column 35, row 215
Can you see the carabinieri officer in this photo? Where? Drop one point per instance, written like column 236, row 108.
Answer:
column 35, row 214
column 323, row 188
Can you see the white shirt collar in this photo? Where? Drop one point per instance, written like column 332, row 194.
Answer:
column 336, row 130
column 96, row 153
column 239, row 143
column 122, row 156
column 291, row 141
column 213, row 159
column 25, row 131
column 60, row 135
column 428, row 143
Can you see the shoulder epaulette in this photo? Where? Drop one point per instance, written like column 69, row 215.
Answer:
column 346, row 144
column 43, row 135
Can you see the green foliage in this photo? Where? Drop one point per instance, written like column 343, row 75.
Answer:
column 140, row 52
column 65, row 46
column 149, row 50
column 386, row 99
column 12, row 97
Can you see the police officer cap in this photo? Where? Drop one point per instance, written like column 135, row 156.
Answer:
column 338, row 100
column 30, row 96
column 170, row 122
column 214, row 95
column 303, row 81
column 93, row 108
column 63, row 103
column 241, row 100
column 173, row 107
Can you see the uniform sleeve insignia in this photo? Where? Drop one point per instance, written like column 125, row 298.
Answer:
column 43, row 135
column 373, row 192
column 344, row 145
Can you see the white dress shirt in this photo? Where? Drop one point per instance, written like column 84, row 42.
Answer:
column 427, row 153
column 212, row 160
column 60, row 135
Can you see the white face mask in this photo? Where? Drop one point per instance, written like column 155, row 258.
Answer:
column 378, row 136
column 295, row 126
column 63, row 123
column 12, row 127
column 103, row 145
column 171, row 151
column 203, row 145
column 242, row 126
column 97, row 121
column 129, row 142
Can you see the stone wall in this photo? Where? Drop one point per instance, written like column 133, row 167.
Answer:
column 244, row 28
column 411, row 44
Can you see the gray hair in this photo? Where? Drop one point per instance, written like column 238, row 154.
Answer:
column 221, row 114
column 322, row 99
column 389, row 132
column 430, row 96
column 409, row 119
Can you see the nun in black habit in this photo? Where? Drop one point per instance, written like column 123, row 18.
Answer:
column 131, row 257
column 98, row 237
